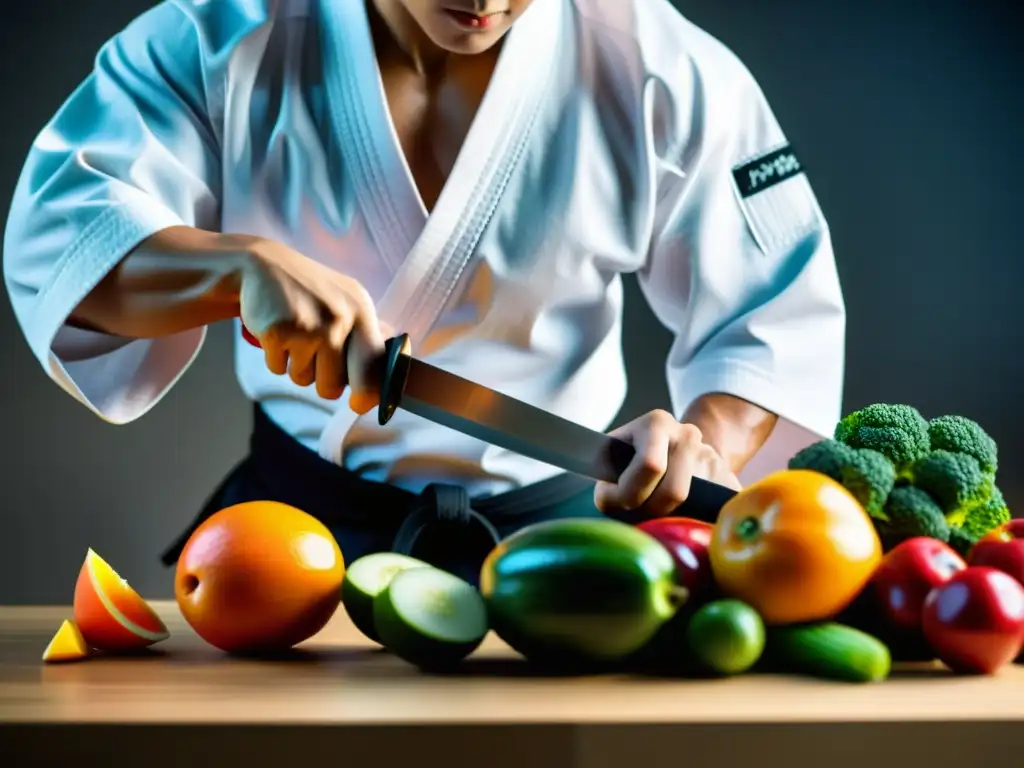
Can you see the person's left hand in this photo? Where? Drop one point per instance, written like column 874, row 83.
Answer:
column 669, row 454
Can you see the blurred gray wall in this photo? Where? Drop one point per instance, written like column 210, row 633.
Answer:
column 907, row 114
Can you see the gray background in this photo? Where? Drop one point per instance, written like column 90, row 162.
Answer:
column 908, row 115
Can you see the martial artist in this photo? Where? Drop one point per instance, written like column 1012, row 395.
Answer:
column 478, row 174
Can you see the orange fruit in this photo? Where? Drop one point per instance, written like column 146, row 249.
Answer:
column 67, row 644
column 109, row 613
column 259, row 576
column 796, row 546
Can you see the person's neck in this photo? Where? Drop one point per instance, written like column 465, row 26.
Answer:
column 395, row 31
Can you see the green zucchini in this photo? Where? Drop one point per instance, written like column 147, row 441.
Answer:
column 366, row 578
column 828, row 650
column 430, row 618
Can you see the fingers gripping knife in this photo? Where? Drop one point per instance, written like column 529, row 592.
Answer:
column 498, row 419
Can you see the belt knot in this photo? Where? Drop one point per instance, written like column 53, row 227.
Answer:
column 445, row 510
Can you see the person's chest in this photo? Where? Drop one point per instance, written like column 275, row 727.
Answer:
column 485, row 200
column 431, row 110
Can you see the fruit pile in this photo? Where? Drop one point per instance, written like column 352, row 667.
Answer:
column 802, row 573
column 790, row 579
column 759, row 589
column 599, row 595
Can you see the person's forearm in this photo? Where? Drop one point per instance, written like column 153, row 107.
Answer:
column 734, row 427
column 178, row 279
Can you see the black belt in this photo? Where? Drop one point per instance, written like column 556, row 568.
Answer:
column 291, row 473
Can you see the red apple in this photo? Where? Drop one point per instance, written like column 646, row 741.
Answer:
column 907, row 574
column 1002, row 548
column 687, row 540
column 975, row 621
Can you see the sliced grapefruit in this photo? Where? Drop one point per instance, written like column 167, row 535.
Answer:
column 66, row 645
column 109, row 613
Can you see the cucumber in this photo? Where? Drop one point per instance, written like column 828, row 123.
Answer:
column 726, row 636
column 366, row 578
column 580, row 592
column 828, row 650
column 430, row 618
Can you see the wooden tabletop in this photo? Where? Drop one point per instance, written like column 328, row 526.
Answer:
column 494, row 706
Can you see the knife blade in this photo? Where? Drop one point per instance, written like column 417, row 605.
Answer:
column 492, row 417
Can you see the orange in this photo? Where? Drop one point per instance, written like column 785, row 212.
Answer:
column 109, row 613
column 259, row 576
column 67, row 644
column 795, row 545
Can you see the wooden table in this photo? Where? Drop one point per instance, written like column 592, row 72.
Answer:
column 342, row 702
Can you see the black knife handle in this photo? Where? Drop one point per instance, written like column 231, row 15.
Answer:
column 704, row 502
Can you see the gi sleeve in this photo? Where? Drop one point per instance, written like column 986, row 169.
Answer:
column 131, row 152
column 742, row 272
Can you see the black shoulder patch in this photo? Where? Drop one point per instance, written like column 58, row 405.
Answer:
column 766, row 171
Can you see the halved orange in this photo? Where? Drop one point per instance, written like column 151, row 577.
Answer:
column 67, row 644
column 109, row 613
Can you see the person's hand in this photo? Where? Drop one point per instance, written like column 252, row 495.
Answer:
column 314, row 324
column 669, row 455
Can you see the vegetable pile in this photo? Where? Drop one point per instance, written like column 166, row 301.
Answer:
column 888, row 542
column 761, row 589
column 915, row 477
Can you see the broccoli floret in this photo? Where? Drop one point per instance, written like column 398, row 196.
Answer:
column 911, row 512
column 987, row 516
column 961, row 541
column 962, row 435
column 867, row 475
column 954, row 480
column 967, row 495
column 898, row 432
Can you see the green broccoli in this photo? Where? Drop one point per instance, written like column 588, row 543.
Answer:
column 911, row 512
column 954, row 480
column 962, row 435
column 967, row 495
column 867, row 475
column 898, row 432
column 985, row 517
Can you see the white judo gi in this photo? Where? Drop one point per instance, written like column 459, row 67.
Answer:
column 615, row 137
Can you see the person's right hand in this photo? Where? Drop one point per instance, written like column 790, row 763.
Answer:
column 314, row 324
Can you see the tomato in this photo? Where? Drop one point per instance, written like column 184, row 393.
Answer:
column 796, row 546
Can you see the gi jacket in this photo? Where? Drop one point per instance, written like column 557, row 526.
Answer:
column 615, row 137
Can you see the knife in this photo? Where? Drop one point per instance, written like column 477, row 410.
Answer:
column 488, row 415
column 477, row 411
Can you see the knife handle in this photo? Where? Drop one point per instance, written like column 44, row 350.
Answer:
column 704, row 503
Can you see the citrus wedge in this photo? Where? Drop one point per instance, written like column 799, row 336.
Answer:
column 109, row 613
column 67, row 644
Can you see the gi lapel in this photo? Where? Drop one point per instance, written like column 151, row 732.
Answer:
column 429, row 253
